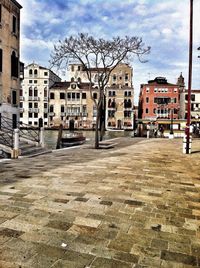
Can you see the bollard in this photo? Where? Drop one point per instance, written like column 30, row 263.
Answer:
column 42, row 137
column 16, row 139
column 15, row 151
column 185, row 144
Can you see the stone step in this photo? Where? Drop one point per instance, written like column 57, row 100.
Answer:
column 35, row 152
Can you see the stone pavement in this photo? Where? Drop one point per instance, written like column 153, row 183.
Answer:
column 136, row 205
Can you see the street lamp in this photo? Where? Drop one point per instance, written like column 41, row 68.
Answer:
column 172, row 115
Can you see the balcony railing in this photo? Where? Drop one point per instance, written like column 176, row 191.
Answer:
column 33, row 110
column 31, row 98
column 21, row 98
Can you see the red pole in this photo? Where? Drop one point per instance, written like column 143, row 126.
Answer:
column 189, row 80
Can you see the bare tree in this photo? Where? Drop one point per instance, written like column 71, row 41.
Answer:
column 103, row 55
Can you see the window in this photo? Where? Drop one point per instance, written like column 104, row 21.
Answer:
column 155, row 89
column 62, row 95
column 1, row 58
column 79, row 68
column 21, row 114
column 45, row 115
column 147, row 100
column 192, row 97
column 30, row 72
column 114, row 78
column 35, row 81
column 45, row 93
column 14, row 97
column 72, row 68
column 73, row 95
column 30, row 92
column 95, row 95
column 21, row 93
column 45, row 81
column 35, row 92
column 30, row 115
column 78, row 95
column 186, row 97
column 68, row 96
column 30, row 105
column 126, row 76
column 154, row 110
column 14, row 65
column 51, row 109
column 30, row 81
column 21, row 105
column 14, row 24
column 35, row 72
column 62, row 109
column 35, row 115
column 84, row 95
column 52, row 96
column 45, row 73
column 45, row 105
column 147, row 110
column 36, row 105
column 147, row 89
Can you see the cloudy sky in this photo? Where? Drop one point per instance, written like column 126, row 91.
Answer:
column 163, row 25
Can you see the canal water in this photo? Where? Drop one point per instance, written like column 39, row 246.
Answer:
column 52, row 135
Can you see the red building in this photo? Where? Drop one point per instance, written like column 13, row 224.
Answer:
column 159, row 100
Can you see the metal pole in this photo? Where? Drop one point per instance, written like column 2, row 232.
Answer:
column 189, row 81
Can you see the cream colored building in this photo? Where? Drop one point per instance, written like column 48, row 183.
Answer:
column 9, row 57
column 72, row 100
column 34, row 94
column 71, row 104
column 195, row 104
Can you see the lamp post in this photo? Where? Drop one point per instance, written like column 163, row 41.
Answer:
column 172, row 117
column 188, row 149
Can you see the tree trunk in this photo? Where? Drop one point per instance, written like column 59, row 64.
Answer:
column 97, row 131
column 102, row 118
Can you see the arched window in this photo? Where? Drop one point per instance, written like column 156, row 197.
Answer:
column 14, row 65
column 30, row 92
column 79, row 79
column 129, row 103
column 30, row 72
column 35, row 72
column 109, row 103
column 45, row 92
column 72, row 79
column 35, row 92
column 114, row 77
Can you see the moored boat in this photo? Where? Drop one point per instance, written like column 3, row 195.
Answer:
column 72, row 139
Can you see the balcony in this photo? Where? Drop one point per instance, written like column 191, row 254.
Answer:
column 21, row 110
column 62, row 114
column 33, row 110
column 51, row 114
column 21, row 98
column 45, row 110
column 45, row 98
column 31, row 98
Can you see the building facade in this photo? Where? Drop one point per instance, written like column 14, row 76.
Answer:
column 9, row 57
column 159, row 99
column 70, row 104
column 120, row 99
column 34, row 94
column 74, row 97
column 195, row 104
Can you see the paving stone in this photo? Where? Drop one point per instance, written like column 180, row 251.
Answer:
column 59, row 225
column 109, row 263
column 103, row 207
column 10, row 233
column 178, row 257
column 160, row 244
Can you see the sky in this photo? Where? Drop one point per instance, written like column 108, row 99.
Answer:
column 162, row 24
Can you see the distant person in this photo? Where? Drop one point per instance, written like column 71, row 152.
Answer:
column 161, row 131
